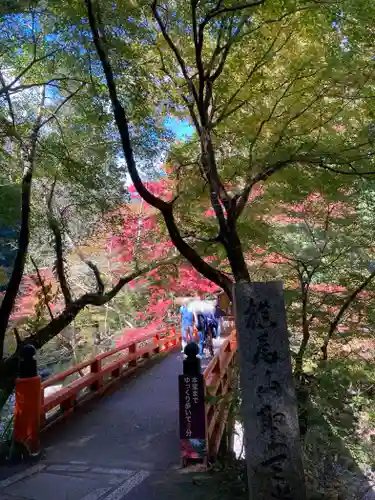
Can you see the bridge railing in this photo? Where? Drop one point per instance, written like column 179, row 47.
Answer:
column 218, row 383
column 36, row 408
column 96, row 375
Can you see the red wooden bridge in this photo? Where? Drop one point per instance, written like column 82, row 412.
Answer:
column 109, row 427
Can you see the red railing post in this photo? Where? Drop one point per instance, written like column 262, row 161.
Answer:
column 42, row 420
column 27, row 414
column 156, row 342
column 133, row 350
column 148, row 354
column 68, row 405
column 96, row 367
column 116, row 372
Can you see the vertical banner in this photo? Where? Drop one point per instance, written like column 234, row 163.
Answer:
column 193, row 438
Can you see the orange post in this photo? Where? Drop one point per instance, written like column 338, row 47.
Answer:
column 27, row 413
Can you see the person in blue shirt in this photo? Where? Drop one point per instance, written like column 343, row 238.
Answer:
column 200, row 323
column 187, row 325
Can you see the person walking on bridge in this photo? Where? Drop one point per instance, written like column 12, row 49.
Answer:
column 187, row 325
column 211, row 330
column 219, row 314
column 200, row 323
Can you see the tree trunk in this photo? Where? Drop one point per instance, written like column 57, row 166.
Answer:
column 305, row 331
column 236, row 257
column 12, row 290
column 19, row 264
column 273, row 451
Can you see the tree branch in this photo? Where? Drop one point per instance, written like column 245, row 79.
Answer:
column 345, row 172
column 61, row 321
column 6, row 88
column 42, row 284
column 99, row 282
column 188, row 104
column 198, row 43
column 19, row 342
column 51, row 82
column 174, row 49
column 8, row 367
column 217, row 50
column 261, row 176
column 165, row 208
column 59, row 262
column 305, row 285
column 9, row 101
column 226, row 48
column 334, row 324
column 203, row 239
column 259, row 64
column 217, row 189
column 53, row 115
column 10, row 296
column 234, row 8
column 299, row 159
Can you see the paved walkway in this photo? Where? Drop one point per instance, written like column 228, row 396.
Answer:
column 124, row 446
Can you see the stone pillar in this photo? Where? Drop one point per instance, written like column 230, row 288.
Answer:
column 269, row 407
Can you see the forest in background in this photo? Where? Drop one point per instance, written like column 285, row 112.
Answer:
column 284, row 97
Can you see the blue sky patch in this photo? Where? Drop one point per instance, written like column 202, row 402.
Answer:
column 181, row 128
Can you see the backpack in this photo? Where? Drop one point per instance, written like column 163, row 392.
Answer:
column 212, row 321
column 212, row 324
column 200, row 322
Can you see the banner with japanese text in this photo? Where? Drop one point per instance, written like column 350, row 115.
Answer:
column 192, row 416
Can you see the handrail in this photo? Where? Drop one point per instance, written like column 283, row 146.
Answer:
column 217, row 376
column 101, row 375
column 84, row 364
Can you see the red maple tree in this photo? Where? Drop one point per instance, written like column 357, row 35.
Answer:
column 142, row 240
